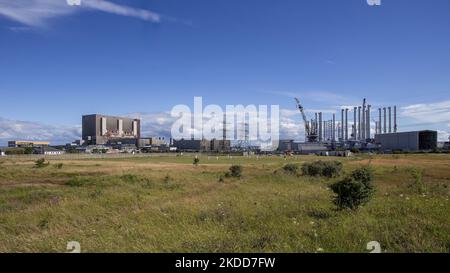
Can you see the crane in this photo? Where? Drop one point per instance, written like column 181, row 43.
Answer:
column 310, row 135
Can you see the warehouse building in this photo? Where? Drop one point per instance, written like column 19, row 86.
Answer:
column 408, row 141
column 27, row 143
column 192, row 145
column 110, row 130
column 219, row 145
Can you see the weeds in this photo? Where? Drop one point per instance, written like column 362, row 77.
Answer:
column 41, row 163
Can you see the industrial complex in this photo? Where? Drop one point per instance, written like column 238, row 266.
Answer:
column 362, row 132
column 332, row 135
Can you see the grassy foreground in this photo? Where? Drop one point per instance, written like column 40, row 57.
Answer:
column 166, row 204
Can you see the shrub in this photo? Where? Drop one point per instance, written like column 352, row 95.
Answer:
column 418, row 182
column 322, row 168
column 236, row 171
column 15, row 151
column 40, row 163
column 291, row 168
column 78, row 182
column 59, row 166
column 196, row 161
column 363, row 174
column 354, row 190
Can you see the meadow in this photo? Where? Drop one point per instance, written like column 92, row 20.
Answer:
column 167, row 204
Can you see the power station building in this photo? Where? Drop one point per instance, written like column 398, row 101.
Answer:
column 408, row 141
column 110, row 130
column 195, row 145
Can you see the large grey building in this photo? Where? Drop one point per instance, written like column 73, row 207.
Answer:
column 192, row 145
column 108, row 130
column 408, row 141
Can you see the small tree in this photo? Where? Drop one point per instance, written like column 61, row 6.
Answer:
column 354, row 190
column 196, row 161
column 236, row 171
column 322, row 168
column 363, row 174
column 291, row 168
column 40, row 163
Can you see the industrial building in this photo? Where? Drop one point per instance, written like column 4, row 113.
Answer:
column 45, row 150
column 27, row 144
column 110, row 130
column 344, row 131
column 220, row 145
column 152, row 142
column 192, row 145
column 195, row 145
column 286, row 145
column 408, row 141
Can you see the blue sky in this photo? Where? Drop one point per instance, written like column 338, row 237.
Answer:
column 142, row 57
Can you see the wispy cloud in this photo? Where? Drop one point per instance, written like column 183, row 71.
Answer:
column 39, row 12
column 110, row 7
column 428, row 113
column 26, row 130
column 325, row 97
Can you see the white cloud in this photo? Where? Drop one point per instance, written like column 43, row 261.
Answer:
column 38, row 12
column 443, row 135
column 109, row 7
column 428, row 113
column 317, row 96
column 34, row 12
column 26, row 130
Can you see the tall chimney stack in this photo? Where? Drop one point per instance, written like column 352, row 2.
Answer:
column 363, row 125
column 346, row 124
column 390, row 120
column 320, row 127
column 355, row 109
column 359, row 122
column 395, row 119
column 385, row 126
column 368, row 122
column 341, row 135
column 379, row 121
column 333, row 132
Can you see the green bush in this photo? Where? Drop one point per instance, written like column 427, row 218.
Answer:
column 196, row 161
column 40, row 163
column 419, row 185
column 364, row 174
column 354, row 190
column 327, row 169
column 78, row 182
column 235, row 171
column 59, row 166
column 291, row 168
column 15, row 151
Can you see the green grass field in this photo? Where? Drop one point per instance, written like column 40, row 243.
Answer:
column 166, row 204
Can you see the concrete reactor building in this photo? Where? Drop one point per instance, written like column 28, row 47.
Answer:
column 110, row 130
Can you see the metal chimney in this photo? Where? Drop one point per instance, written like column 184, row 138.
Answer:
column 384, row 127
column 379, row 121
column 320, row 127
column 395, row 119
column 354, row 122
column 341, row 135
column 363, row 125
column 333, row 132
column 346, row 124
column 390, row 120
column 359, row 122
column 368, row 122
